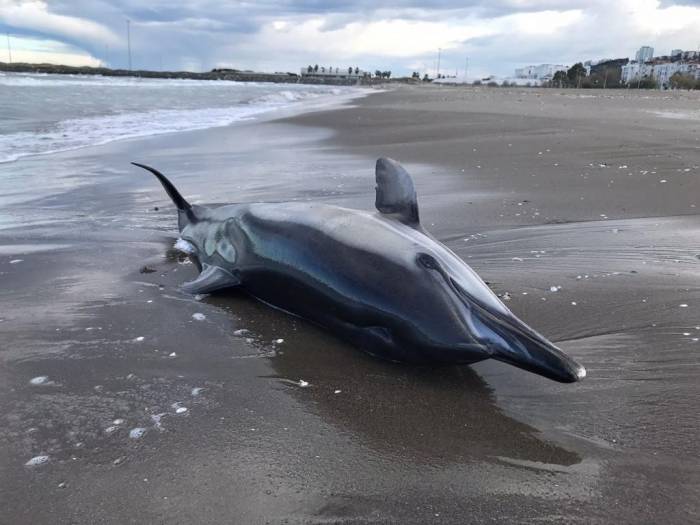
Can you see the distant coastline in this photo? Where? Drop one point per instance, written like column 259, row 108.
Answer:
column 233, row 75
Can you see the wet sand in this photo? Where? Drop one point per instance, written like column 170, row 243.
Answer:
column 533, row 188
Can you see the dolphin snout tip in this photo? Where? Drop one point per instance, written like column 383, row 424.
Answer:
column 577, row 373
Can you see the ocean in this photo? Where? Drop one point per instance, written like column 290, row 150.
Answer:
column 42, row 114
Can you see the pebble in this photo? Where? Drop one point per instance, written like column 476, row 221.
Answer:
column 15, row 261
column 278, row 341
column 139, row 339
column 199, row 317
column 172, row 354
column 196, row 391
column 137, row 433
column 303, row 384
column 39, row 380
column 36, row 461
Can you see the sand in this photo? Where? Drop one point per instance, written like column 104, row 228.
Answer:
column 593, row 192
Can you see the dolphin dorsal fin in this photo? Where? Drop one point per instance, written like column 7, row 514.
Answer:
column 396, row 195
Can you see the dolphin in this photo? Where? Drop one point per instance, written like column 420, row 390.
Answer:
column 376, row 279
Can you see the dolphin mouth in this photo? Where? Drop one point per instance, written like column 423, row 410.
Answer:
column 184, row 246
column 511, row 341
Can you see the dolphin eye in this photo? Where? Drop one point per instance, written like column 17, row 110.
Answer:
column 427, row 261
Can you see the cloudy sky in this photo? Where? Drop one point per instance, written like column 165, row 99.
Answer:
column 401, row 36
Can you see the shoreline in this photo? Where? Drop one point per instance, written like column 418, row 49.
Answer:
column 262, row 113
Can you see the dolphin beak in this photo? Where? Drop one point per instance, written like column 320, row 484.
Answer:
column 511, row 341
column 542, row 358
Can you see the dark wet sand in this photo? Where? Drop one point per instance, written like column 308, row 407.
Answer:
column 528, row 186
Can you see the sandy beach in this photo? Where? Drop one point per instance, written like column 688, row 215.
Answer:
column 578, row 207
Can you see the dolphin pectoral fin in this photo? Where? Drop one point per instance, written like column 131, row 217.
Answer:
column 396, row 195
column 211, row 279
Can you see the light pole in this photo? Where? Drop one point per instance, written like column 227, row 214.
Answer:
column 9, row 48
column 128, row 40
column 438, row 63
column 466, row 69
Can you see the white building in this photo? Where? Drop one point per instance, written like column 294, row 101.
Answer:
column 644, row 54
column 634, row 71
column 659, row 71
column 541, row 72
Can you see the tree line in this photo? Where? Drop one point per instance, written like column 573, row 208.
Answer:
column 356, row 70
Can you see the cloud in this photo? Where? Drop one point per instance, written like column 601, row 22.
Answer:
column 399, row 35
column 34, row 16
column 51, row 51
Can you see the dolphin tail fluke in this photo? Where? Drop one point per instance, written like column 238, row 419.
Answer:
column 182, row 205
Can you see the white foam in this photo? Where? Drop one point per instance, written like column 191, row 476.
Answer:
column 39, row 380
column 121, row 118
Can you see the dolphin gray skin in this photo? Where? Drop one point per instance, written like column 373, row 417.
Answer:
column 376, row 279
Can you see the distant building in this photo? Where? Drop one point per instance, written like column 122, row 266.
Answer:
column 663, row 68
column 644, row 54
column 542, row 72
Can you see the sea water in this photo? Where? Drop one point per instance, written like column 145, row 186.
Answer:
column 43, row 114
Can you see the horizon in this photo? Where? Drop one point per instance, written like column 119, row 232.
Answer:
column 402, row 37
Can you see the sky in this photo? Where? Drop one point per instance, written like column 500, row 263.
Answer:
column 492, row 37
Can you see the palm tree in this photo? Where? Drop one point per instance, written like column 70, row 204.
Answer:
column 316, row 68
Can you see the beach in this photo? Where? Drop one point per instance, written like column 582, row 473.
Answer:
column 145, row 404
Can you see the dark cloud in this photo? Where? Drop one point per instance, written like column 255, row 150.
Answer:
column 201, row 34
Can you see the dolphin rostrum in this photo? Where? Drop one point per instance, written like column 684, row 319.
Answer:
column 378, row 280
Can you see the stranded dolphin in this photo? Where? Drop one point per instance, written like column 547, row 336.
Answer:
column 376, row 279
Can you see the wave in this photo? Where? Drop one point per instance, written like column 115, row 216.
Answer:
column 75, row 133
column 57, row 80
